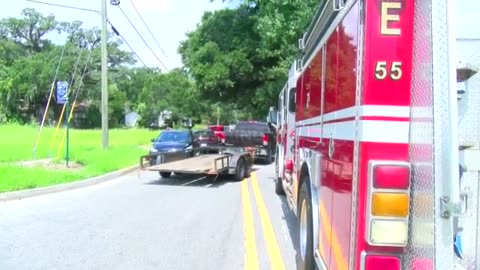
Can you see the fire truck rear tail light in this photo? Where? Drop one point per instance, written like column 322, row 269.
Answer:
column 387, row 232
column 388, row 208
column 391, row 176
column 390, row 204
column 382, row 263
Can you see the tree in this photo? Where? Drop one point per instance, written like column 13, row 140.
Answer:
column 28, row 63
column 222, row 55
column 242, row 56
column 30, row 30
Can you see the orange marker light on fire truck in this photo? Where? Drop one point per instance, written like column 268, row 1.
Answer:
column 388, row 204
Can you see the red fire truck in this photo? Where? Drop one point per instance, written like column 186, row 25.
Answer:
column 368, row 149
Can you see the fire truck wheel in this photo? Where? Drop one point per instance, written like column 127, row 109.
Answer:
column 305, row 260
column 165, row 174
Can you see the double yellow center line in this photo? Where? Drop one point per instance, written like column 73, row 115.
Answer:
column 251, row 255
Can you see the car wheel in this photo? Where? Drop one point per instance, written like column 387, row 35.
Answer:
column 165, row 174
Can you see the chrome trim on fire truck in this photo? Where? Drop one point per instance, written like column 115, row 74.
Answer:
column 363, row 258
column 356, row 146
column 322, row 99
column 319, row 260
column 368, row 131
column 360, row 110
column 368, row 215
column 313, row 160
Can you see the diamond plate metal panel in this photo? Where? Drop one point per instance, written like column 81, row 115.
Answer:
column 445, row 131
column 433, row 136
column 420, row 251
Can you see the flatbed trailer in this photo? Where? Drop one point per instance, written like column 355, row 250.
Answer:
column 223, row 161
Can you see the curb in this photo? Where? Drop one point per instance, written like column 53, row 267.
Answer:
column 21, row 194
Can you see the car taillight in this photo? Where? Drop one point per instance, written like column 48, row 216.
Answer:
column 265, row 139
column 374, row 262
column 388, row 204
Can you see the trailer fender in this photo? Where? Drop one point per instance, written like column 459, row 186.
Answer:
column 235, row 157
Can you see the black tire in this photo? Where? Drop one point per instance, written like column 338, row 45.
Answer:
column 269, row 158
column 306, row 260
column 248, row 170
column 240, row 170
column 165, row 174
column 279, row 186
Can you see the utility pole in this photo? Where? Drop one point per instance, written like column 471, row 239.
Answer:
column 104, row 106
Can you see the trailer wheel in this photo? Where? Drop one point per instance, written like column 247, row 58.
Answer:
column 165, row 174
column 240, row 170
column 305, row 260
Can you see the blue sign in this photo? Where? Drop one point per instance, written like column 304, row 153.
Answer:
column 62, row 91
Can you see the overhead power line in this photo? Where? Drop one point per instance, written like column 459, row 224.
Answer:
column 142, row 38
column 98, row 12
column 126, row 42
column 144, row 23
column 64, row 6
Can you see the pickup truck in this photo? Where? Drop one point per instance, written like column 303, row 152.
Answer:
column 258, row 138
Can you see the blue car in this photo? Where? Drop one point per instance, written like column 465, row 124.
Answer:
column 177, row 144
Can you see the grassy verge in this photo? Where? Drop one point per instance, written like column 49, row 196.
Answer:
column 16, row 144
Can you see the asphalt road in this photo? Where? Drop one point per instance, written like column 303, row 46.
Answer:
column 140, row 221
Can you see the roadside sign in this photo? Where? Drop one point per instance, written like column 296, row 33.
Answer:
column 62, row 90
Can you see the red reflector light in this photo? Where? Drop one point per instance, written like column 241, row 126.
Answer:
column 382, row 263
column 391, row 177
column 289, row 166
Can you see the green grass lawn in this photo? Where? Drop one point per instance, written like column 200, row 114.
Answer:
column 16, row 144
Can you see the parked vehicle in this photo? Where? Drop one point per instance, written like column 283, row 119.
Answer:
column 178, row 143
column 219, row 131
column 206, row 137
column 256, row 137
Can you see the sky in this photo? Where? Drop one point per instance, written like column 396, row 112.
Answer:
column 168, row 20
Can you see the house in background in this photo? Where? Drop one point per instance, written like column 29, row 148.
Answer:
column 131, row 119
